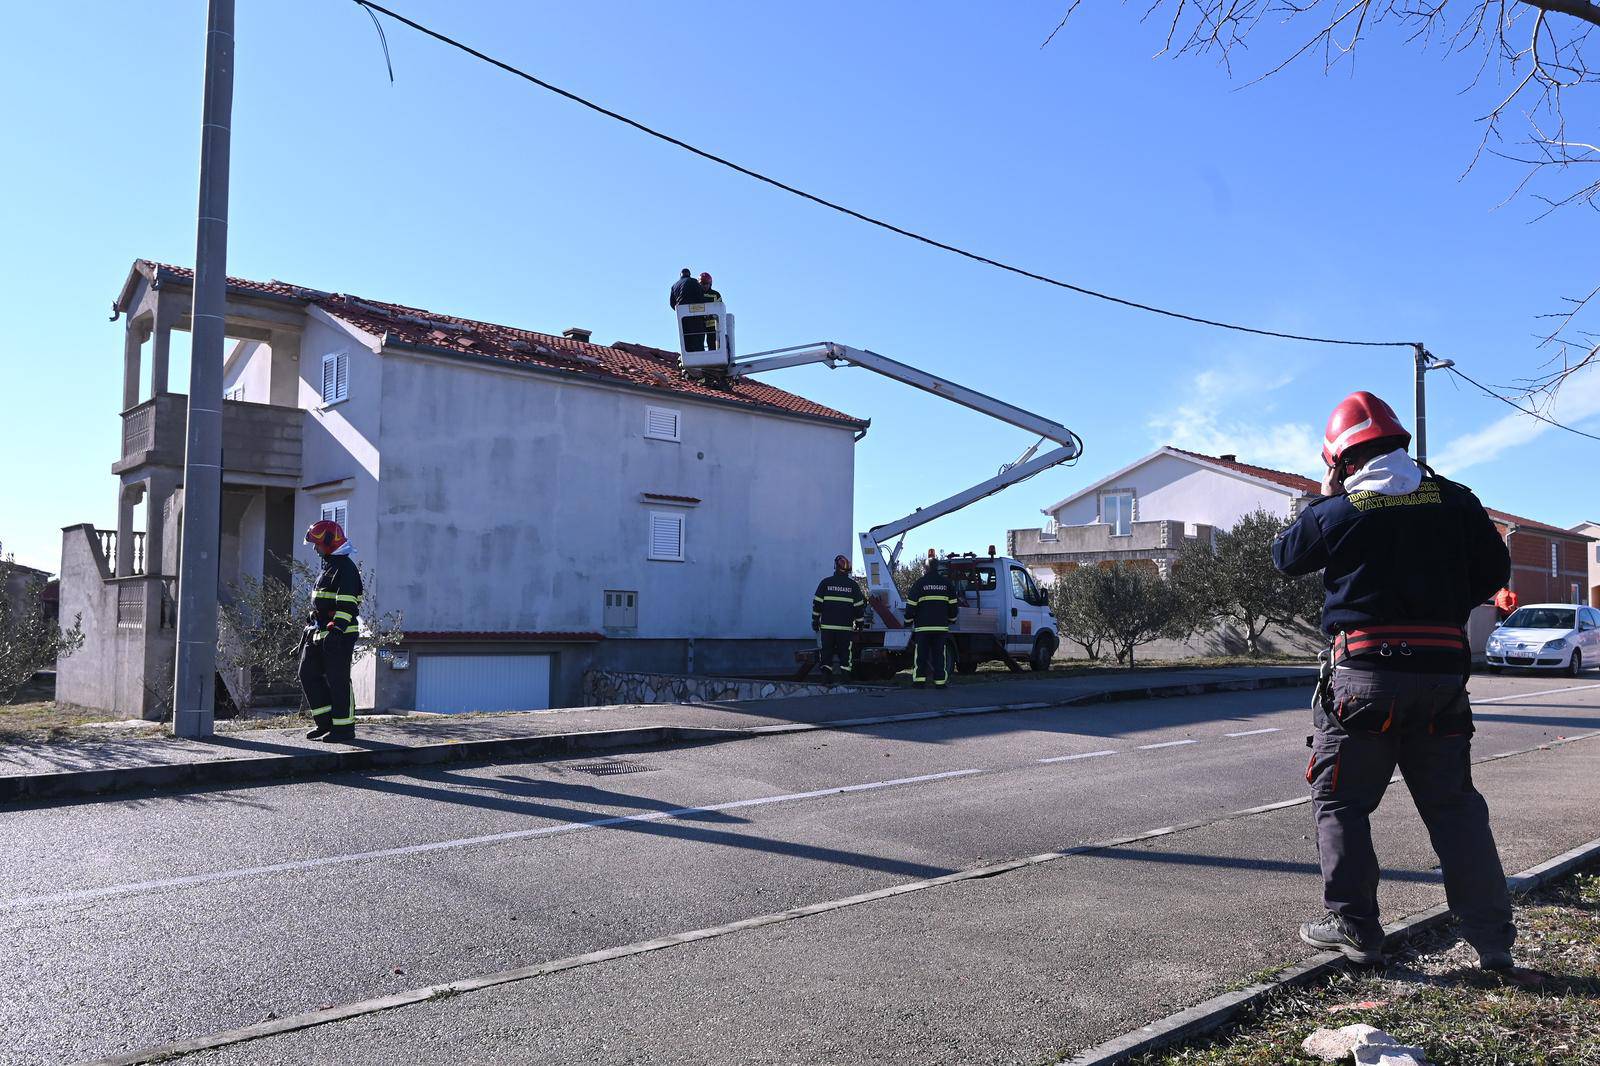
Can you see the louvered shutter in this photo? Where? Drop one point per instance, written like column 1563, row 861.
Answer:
column 330, row 378
column 661, row 423
column 666, row 536
column 337, row 512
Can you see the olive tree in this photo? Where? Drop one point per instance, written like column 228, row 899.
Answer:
column 1237, row 582
column 29, row 640
column 1119, row 607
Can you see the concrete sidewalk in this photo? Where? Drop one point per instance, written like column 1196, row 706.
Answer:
column 35, row 772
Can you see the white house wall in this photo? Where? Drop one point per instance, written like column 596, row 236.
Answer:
column 252, row 373
column 511, row 501
column 1168, row 487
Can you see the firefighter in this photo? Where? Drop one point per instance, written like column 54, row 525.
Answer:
column 930, row 612
column 329, row 643
column 1406, row 555
column 711, row 295
column 837, row 608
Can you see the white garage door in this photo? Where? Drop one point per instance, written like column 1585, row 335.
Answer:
column 452, row 684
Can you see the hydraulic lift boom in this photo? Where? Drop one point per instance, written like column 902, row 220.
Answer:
column 880, row 567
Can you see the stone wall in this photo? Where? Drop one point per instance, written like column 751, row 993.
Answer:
column 607, row 687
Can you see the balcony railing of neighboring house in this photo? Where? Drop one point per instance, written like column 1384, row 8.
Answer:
column 1100, row 541
column 108, row 548
column 136, row 596
column 257, row 439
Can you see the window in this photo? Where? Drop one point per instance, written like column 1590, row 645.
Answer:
column 1116, row 511
column 1023, row 588
column 622, row 609
column 661, row 423
column 337, row 511
column 235, row 393
column 1554, row 570
column 335, row 377
column 666, row 536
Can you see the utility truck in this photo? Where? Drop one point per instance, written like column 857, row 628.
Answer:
column 1003, row 615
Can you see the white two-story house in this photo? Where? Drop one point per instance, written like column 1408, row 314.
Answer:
column 533, row 505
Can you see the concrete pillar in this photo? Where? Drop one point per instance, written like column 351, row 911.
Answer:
column 285, row 369
column 133, row 338
column 162, row 485
column 127, row 498
column 161, row 350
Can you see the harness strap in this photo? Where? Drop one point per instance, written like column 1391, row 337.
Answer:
column 1398, row 640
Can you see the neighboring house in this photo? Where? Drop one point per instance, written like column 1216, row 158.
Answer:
column 1592, row 555
column 21, row 584
column 1144, row 513
column 534, row 505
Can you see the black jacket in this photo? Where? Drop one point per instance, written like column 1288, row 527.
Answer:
column 931, row 603
column 686, row 291
column 1430, row 556
column 838, row 604
column 336, row 597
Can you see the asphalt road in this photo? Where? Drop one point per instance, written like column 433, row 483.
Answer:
column 133, row 922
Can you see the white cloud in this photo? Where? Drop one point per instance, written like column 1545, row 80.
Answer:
column 1578, row 399
column 1207, row 421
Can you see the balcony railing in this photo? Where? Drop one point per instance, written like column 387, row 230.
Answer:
column 108, row 548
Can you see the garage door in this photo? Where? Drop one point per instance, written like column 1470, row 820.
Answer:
column 451, row 684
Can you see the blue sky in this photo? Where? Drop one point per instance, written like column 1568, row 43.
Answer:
column 1318, row 203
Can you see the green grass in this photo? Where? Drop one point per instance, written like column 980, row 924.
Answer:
column 1434, row 997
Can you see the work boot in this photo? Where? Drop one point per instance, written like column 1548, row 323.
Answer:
column 340, row 734
column 1335, row 934
column 1495, row 961
column 322, row 723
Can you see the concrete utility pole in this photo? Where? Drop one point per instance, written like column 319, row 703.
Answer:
column 1424, row 363
column 193, row 697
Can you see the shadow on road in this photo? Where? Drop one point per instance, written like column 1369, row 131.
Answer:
column 1276, row 866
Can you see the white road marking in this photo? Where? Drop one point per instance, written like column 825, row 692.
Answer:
column 1530, row 695
column 1254, row 732
column 1168, row 744
column 18, row 902
column 1082, row 755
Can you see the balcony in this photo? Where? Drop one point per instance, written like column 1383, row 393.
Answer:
column 1099, row 542
column 260, row 442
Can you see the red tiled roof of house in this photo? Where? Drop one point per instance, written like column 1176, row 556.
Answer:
column 1278, row 477
column 1312, row 488
column 622, row 362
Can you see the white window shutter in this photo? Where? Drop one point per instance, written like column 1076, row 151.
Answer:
column 661, row 423
column 666, row 536
column 342, row 375
column 337, row 511
column 330, row 377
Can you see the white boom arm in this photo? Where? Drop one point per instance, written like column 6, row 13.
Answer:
column 880, row 568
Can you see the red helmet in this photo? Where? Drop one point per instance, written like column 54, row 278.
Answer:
column 326, row 535
column 1359, row 418
column 841, row 562
column 705, row 279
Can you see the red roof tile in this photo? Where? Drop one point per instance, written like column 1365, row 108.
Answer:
column 622, row 362
column 1312, row 488
column 1277, row 477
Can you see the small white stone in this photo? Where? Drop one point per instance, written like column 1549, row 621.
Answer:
column 1335, row 1045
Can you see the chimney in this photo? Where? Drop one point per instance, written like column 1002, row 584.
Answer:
column 1228, row 457
column 573, row 333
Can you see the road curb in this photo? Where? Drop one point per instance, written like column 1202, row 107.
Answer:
column 1213, row 1014
column 33, row 788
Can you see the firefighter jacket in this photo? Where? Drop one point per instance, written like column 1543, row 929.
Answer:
column 931, row 604
column 1426, row 556
column 336, row 597
column 838, row 603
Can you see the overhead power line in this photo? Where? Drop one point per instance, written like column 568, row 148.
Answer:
column 861, row 216
column 1487, row 391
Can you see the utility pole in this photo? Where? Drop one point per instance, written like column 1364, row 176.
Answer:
column 1425, row 362
column 193, row 697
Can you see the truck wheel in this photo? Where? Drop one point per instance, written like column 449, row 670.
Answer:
column 1044, row 650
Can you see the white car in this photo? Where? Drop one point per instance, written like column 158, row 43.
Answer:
column 1546, row 636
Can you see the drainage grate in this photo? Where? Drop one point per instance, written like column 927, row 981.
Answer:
column 610, row 767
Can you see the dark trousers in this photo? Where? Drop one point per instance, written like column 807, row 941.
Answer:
column 837, row 646
column 929, row 662
column 325, row 678
column 1422, row 724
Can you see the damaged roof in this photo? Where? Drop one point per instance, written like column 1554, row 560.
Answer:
column 624, row 363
